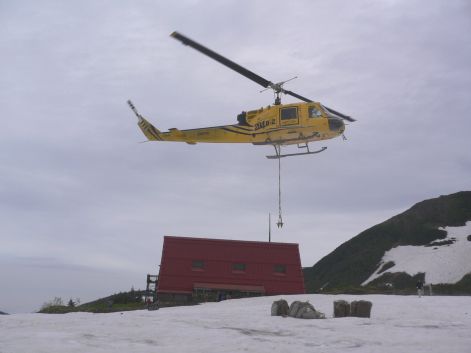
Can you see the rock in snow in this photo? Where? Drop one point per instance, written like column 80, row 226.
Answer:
column 341, row 308
column 304, row 310
column 357, row 308
column 280, row 308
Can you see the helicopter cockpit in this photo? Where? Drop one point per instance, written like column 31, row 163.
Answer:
column 314, row 112
column 335, row 122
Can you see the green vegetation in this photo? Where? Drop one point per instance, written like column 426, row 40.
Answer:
column 122, row 301
column 463, row 287
column 348, row 266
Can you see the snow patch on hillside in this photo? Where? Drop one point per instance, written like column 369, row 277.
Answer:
column 441, row 264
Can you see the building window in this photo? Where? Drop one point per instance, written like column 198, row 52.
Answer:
column 279, row 268
column 289, row 113
column 197, row 265
column 238, row 267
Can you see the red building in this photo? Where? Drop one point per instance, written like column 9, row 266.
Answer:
column 206, row 267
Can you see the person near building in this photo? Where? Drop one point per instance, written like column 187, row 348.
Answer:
column 420, row 288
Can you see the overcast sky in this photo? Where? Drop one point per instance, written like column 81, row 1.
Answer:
column 84, row 206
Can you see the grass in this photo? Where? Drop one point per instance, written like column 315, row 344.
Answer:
column 123, row 301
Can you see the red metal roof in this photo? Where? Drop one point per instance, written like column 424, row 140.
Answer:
column 263, row 264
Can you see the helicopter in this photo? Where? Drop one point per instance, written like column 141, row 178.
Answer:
column 276, row 125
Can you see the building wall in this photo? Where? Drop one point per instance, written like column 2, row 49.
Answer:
column 177, row 274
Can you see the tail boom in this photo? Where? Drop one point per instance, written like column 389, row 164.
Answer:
column 147, row 128
column 151, row 132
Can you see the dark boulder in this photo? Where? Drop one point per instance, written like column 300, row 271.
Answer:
column 341, row 308
column 361, row 308
column 304, row 310
column 280, row 308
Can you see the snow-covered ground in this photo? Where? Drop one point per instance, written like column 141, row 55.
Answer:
column 398, row 324
column 441, row 264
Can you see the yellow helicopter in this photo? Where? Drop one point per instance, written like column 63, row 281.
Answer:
column 276, row 125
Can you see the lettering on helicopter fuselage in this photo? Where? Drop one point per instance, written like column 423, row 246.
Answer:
column 264, row 123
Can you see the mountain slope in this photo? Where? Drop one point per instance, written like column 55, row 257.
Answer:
column 445, row 261
column 352, row 263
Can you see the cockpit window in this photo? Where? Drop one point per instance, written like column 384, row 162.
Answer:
column 314, row 112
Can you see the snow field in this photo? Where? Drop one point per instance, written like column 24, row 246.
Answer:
column 398, row 324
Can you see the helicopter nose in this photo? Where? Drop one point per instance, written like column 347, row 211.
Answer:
column 336, row 124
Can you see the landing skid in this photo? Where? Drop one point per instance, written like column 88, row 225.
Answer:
column 278, row 154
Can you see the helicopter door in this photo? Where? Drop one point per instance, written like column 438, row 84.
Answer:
column 289, row 116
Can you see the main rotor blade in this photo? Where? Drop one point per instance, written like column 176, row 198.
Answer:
column 230, row 64
column 330, row 110
column 247, row 73
column 343, row 116
column 291, row 93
